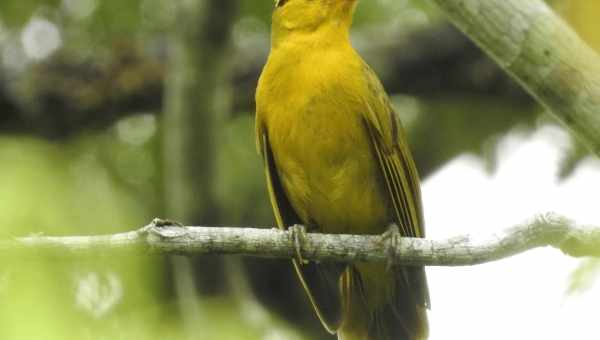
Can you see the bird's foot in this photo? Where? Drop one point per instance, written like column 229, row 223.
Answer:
column 390, row 240
column 298, row 236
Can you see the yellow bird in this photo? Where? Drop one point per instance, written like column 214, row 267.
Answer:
column 337, row 161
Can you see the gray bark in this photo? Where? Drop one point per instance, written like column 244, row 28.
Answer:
column 542, row 53
column 548, row 230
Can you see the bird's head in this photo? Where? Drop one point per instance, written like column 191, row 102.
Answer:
column 309, row 16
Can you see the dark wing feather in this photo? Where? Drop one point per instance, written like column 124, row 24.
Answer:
column 400, row 174
column 395, row 160
column 321, row 282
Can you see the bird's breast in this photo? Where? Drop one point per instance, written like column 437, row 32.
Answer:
column 325, row 162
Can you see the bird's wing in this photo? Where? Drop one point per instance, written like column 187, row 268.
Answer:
column 321, row 282
column 395, row 160
column 399, row 172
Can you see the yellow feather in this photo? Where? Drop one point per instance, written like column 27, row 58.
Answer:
column 337, row 161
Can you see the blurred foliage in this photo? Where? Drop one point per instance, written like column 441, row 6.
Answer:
column 65, row 189
column 104, row 183
column 241, row 187
column 52, row 188
column 584, row 276
column 109, row 180
column 446, row 127
column 582, row 15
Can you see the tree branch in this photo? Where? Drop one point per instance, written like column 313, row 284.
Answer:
column 540, row 51
column 546, row 230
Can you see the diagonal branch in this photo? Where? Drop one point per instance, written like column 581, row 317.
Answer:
column 539, row 50
column 546, row 230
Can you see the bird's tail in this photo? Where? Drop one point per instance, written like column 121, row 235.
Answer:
column 382, row 304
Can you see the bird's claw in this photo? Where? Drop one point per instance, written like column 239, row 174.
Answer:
column 391, row 239
column 298, row 236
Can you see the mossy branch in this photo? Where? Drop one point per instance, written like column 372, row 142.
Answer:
column 539, row 50
column 546, row 230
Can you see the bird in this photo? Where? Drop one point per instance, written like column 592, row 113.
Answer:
column 337, row 161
